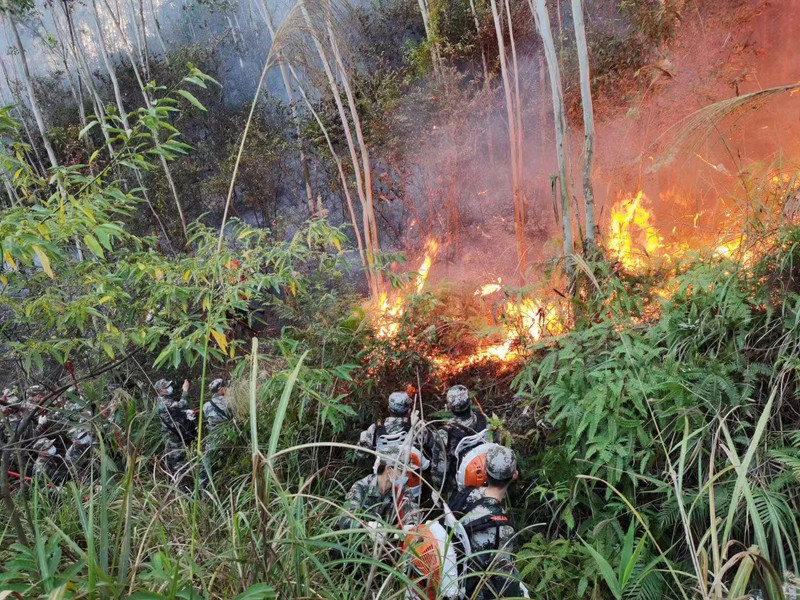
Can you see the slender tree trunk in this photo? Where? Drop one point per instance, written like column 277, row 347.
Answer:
column 365, row 209
column 26, row 76
column 424, row 9
column 159, row 33
column 17, row 101
column 290, row 95
column 342, row 176
column 149, row 104
column 519, row 197
column 539, row 10
column 509, row 91
column 366, row 164
column 145, row 47
column 588, row 119
column 109, row 67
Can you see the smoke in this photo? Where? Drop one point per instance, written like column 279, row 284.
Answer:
column 451, row 171
column 721, row 50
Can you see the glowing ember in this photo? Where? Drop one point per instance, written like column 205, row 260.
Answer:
column 631, row 236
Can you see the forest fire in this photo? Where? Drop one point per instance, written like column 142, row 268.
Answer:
column 632, row 240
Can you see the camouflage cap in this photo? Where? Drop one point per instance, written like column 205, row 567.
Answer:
column 36, row 390
column 161, row 385
column 43, row 444
column 501, row 462
column 217, row 385
column 458, row 399
column 397, row 457
column 399, row 403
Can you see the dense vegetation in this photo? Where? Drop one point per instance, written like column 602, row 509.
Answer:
column 658, row 434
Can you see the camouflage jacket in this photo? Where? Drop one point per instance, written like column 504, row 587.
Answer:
column 215, row 411
column 494, row 546
column 177, row 420
column 365, row 501
column 441, row 449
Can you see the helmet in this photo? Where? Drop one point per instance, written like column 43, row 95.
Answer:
column 162, row 385
column 397, row 457
column 9, row 396
column 458, row 399
column 217, row 385
column 501, row 463
column 399, row 403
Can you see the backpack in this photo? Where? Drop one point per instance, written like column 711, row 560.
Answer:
column 382, row 439
column 462, row 534
column 471, row 469
column 461, row 439
column 432, row 563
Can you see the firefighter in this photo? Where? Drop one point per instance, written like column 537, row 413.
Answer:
column 382, row 498
column 49, row 464
column 215, row 414
column 178, row 424
column 490, row 568
column 397, row 423
column 466, row 421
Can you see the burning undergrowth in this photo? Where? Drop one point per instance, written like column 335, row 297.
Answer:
column 433, row 332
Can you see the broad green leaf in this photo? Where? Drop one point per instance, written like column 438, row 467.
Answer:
column 194, row 101
column 93, row 245
column 259, row 591
column 86, row 129
column 606, row 571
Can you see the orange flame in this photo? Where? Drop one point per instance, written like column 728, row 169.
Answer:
column 390, row 311
column 630, row 222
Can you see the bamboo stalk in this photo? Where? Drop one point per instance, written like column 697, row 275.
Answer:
column 588, row 119
column 26, row 76
column 539, row 10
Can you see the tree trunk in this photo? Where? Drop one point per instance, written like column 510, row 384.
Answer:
column 148, row 104
column 588, row 119
column 360, row 187
column 26, row 76
column 342, row 176
column 36, row 158
column 290, row 95
column 509, row 91
column 123, row 115
column 539, row 10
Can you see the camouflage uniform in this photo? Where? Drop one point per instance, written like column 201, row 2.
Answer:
column 49, row 463
column 492, row 568
column 365, row 500
column 79, row 451
column 178, row 426
column 216, row 414
column 400, row 405
column 443, row 460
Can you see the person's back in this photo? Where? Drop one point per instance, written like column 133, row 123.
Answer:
column 382, row 497
column 466, row 421
column 391, row 430
column 178, row 423
column 491, row 565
